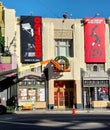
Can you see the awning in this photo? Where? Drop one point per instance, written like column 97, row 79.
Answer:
column 11, row 75
column 95, row 76
column 7, row 74
column 38, row 78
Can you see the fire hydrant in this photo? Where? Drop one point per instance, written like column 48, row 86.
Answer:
column 73, row 110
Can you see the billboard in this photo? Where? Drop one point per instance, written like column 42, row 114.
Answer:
column 31, row 39
column 94, row 40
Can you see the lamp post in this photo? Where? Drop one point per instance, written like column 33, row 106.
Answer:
column 46, row 76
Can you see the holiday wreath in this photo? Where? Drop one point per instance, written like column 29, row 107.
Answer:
column 65, row 60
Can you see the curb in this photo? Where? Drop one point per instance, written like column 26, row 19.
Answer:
column 61, row 111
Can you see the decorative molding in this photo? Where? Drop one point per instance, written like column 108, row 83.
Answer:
column 62, row 34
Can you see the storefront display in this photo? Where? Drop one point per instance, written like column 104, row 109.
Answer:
column 40, row 94
column 102, row 93
column 95, row 95
column 22, row 94
column 30, row 94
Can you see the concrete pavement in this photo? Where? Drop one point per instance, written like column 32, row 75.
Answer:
column 43, row 111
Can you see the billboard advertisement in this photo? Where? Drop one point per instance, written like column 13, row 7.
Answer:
column 31, row 39
column 94, row 40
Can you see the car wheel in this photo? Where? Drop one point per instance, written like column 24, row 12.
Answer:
column 2, row 110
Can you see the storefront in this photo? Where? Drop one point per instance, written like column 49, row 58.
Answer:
column 95, row 90
column 8, row 87
column 32, row 93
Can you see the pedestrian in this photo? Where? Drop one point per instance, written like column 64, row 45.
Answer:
column 15, row 103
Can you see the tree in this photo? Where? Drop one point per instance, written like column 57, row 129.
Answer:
column 2, row 42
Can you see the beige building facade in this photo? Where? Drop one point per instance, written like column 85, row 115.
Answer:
column 80, row 85
column 84, row 84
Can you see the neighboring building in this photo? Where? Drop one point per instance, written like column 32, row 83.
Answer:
column 8, row 59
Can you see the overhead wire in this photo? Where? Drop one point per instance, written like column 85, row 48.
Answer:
column 48, row 8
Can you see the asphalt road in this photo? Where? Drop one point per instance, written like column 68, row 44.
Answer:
column 55, row 121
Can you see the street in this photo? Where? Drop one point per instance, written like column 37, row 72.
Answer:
column 53, row 121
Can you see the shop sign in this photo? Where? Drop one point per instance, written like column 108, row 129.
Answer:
column 31, row 83
column 95, row 82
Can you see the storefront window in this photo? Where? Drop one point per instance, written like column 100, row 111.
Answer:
column 99, row 93
column 32, row 94
column 32, row 91
column 22, row 94
column 40, row 94
column 102, row 93
column 94, row 94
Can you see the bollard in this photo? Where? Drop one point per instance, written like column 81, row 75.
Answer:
column 73, row 110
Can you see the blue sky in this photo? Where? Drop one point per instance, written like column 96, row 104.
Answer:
column 56, row 8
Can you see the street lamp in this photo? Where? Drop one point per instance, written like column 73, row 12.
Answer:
column 45, row 75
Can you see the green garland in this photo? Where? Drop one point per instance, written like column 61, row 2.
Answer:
column 65, row 59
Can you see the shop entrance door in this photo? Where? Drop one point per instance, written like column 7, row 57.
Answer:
column 63, row 94
column 88, row 97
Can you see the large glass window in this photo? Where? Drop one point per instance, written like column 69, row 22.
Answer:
column 102, row 93
column 64, row 48
column 31, row 91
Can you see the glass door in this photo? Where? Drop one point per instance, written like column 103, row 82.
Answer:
column 63, row 95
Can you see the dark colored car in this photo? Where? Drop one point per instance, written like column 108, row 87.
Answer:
column 2, row 109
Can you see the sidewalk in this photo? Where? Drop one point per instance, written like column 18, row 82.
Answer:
column 43, row 111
